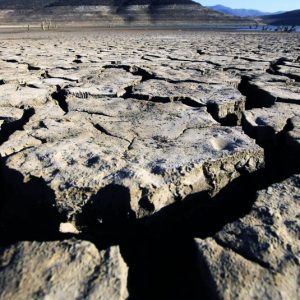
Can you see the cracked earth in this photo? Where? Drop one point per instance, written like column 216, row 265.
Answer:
column 149, row 165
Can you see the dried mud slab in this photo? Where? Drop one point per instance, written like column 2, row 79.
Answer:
column 10, row 115
column 258, row 255
column 286, row 67
column 292, row 138
column 267, row 89
column 264, row 124
column 13, row 95
column 78, row 154
column 221, row 100
column 110, row 82
column 11, row 119
column 62, row 270
column 163, row 170
column 131, row 118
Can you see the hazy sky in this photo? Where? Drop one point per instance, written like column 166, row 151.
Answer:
column 263, row 5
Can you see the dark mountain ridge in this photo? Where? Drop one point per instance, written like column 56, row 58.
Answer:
column 291, row 18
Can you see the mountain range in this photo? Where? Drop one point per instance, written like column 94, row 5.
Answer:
column 277, row 18
column 241, row 12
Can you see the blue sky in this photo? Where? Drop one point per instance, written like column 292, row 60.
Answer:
column 263, row 5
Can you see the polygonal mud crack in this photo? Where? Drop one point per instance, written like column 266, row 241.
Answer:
column 129, row 145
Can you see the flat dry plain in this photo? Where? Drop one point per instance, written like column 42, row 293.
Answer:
column 149, row 165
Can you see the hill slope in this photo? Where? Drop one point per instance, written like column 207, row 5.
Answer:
column 118, row 3
column 14, row 4
column 288, row 18
column 112, row 12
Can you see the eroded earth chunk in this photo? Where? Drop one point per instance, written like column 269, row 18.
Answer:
column 258, row 255
column 62, row 270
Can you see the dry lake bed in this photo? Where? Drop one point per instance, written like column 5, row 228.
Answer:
column 149, row 165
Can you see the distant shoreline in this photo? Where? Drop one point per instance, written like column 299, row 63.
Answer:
column 19, row 28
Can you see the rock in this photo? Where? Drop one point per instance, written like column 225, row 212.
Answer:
column 172, row 74
column 12, row 95
column 29, row 117
column 48, row 83
column 292, row 137
column 236, row 64
column 10, row 114
column 15, row 72
column 287, row 68
column 289, row 71
column 182, row 71
column 231, row 276
column 258, row 255
column 264, row 91
column 131, row 118
column 12, row 119
column 18, row 105
column 68, row 74
column 20, row 142
column 69, row 145
column 222, row 101
column 62, row 270
column 162, row 170
column 245, row 66
column 110, row 82
column 78, row 155
column 264, row 124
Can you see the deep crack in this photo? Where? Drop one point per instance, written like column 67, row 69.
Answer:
column 7, row 129
column 60, row 96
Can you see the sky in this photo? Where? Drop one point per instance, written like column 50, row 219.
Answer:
column 263, row 5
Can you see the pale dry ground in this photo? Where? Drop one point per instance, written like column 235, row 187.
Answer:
column 140, row 138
